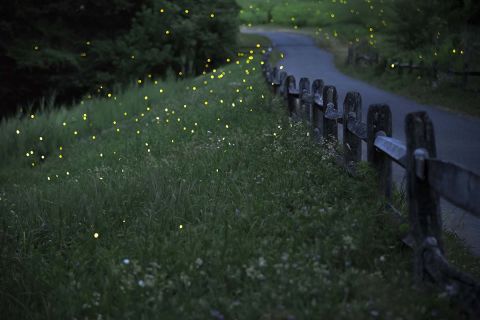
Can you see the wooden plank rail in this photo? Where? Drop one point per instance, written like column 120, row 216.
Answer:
column 428, row 178
column 354, row 56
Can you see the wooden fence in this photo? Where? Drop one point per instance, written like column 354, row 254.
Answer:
column 356, row 56
column 428, row 178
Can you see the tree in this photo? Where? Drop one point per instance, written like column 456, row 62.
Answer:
column 422, row 23
column 68, row 47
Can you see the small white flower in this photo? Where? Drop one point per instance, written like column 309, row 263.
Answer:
column 262, row 262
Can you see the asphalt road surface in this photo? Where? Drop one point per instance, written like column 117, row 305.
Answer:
column 457, row 136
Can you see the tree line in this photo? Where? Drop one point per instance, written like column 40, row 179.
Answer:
column 64, row 49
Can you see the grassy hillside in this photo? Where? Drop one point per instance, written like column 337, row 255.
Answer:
column 192, row 199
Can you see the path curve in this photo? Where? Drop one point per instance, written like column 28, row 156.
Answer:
column 457, row 136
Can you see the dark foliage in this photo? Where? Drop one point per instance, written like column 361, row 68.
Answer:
column 66, row 48
column 422, row 23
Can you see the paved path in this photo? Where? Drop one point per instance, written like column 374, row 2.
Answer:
column 457, row 136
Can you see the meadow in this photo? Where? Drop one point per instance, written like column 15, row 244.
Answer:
column 194, row 199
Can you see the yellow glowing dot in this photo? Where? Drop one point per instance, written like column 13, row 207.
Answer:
column 96, row 235
column 187, row 11
column 139, row 81
column 194, row 88
column 125, row 114
column 205, row 103
column 133, row 57
column 454, row 51
column 167, row 32
column 93, row 137
column 161, row 90
column 212, row 15
column 68, row 173
column 60, row 148
column 48, row 178
column 138, row 131
column 146, row 97
column 226, row 126
column 101, row 155
column 118, row 130
column 162, row 10
column 32, row 116
column 64, row 124
column 180, row 226
column 392, row 65
column 109, row 95
column 18, row 131
column 332, row 15
column 60, row 156
column 75, row 132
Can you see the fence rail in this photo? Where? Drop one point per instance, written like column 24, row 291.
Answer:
column 355, row 56
column 428, row 177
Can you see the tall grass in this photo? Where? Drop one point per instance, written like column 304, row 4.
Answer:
column 208, row 204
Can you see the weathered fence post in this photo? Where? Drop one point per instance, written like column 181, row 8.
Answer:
column 288, row 83
column 330, row 104
column 275, row 74
column 281, row 83
column 465, row 75
column 421, row 68
column 379, row 122
column 293, row 100
column 317, row 93
column 304, row 91
column 352, row 113
column 400, row 67
column 423, row 202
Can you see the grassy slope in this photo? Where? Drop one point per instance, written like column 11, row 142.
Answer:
column 193, row 210
column 335, row 32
